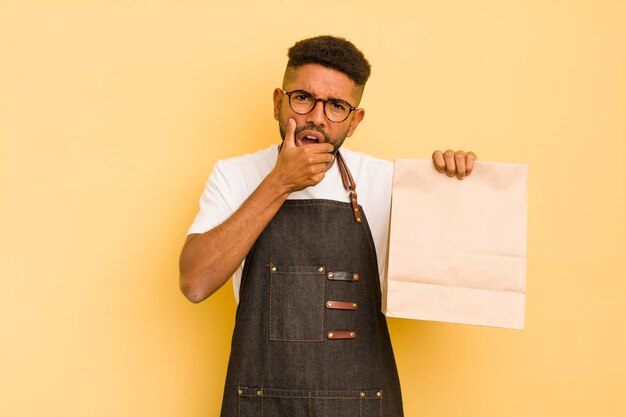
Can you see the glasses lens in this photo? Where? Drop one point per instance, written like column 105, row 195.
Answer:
column 337, row 110
column 301, row 102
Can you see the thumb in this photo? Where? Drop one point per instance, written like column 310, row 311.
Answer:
column 290, row 140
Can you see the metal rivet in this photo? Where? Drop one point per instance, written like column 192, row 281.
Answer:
column 330, row 275
column 355, row 305
column 329, row 304
column 378, row 394
column 273, row 269
column 351, row 334
column 356, row 209
column 362, row 394
column 240, row 391
column 358, row 220
column 259, row 392
column 356, row 277
column 330, row 335
column 321, row 269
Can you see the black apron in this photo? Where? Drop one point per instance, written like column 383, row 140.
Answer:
column 310, row 339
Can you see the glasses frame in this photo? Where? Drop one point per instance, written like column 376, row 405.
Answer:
column 324, row 101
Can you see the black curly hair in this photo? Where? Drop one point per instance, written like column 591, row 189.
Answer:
column 331, row 52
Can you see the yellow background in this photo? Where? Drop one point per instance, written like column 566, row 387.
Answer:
column 112, row 114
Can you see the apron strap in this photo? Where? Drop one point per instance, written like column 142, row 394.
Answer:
column 350, row 185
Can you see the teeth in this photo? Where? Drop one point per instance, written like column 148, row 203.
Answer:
column 311, row 137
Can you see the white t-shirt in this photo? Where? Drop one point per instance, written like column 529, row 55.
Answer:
column 233, row 180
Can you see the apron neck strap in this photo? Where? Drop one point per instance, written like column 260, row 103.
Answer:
column 350, row 185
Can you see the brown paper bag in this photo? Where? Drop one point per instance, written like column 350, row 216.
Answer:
column 457, row 249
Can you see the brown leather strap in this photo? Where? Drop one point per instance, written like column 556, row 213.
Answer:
column 341, row 334
column 341, row 305
column 346, row 176
column 343, row 276
column 350, row 185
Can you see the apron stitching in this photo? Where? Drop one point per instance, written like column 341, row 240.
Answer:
column 302, row 397
column 369, row 242
column 298, row 340
column 244, row 274
column 270, row 338
column 270, row 305
column 360, row 407
column 322, row 306
column 269, row 333
column 320, row 202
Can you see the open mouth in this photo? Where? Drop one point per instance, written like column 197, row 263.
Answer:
column 307, row 137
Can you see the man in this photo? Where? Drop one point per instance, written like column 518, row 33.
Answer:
column 309, row 338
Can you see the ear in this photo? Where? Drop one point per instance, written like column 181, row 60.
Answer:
column 278, row 99
column 359, row 114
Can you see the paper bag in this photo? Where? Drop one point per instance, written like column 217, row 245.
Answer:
column 457, row 249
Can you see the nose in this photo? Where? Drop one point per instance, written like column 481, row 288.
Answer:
column 316, row 116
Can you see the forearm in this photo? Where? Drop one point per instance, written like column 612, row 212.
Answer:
column 209, row 259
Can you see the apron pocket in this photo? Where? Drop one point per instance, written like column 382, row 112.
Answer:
column 254, row 402
column 296, row 303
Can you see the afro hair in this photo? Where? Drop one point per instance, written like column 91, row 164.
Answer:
column 331, row 52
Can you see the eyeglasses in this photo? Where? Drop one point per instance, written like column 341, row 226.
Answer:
column 303, row 102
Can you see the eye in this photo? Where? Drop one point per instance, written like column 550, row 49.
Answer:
column 338, row 105
column 300, row 96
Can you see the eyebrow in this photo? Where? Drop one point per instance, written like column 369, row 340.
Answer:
column 328, row 98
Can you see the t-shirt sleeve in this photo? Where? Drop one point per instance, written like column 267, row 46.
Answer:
column 216, row 202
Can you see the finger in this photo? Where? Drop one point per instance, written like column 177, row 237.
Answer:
column 321, row 147
column 290, row 139
column 448, row 156
column 320, row 158
column 440, row 164
column 459, row 160
column 469, row 162
column 320, row 168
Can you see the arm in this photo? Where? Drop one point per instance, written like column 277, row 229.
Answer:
column 209, row 259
